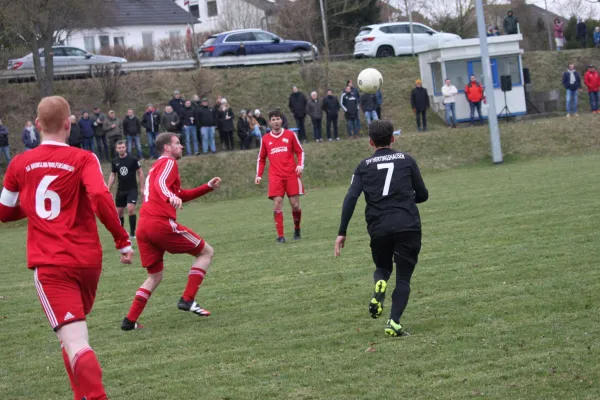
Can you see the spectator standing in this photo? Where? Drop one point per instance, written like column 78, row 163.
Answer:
column 4, row 147
column 349, row 104
column 297, row 105
column 177, row 104
column 559, row 36
column 379, row 97
column 132, row 129
column 368, row 104
column 216, row 109
column 75, row 134
column 254, row 129
column 510, row 24
column 262, row 122
column 30, row 136
column 356, row 94
column 592, row 81
column 170, row 120
column 207, row 120
column 581, row 33
column 98, row 119
column 474, row 95
column 331, row 106
column 189, row 128
column 572, row 83
column 86, row 127
column 196, row 103
column 314, row 109
column 151, row 122
column 449, row 91
column 114, row 131
column 243, row 131
column 284, row 120
column 225, row 118
column 419, row 100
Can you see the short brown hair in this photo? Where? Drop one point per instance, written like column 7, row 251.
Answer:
column 164, row 139
column 381, row 132
column 52, row 112
column 121, row 142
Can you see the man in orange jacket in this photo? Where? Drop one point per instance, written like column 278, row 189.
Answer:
column 592, row 81
column 474, row 94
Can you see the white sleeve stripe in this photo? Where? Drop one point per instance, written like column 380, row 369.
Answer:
column 258, row 158
column 163, row 179
column 8, row 198
column 301, row 161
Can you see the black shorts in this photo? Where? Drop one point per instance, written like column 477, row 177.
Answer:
column 402, row 248
column 126, row 197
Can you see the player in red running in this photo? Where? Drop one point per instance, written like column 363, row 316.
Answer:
column 59, row 189
column 279, row 146
column 158, row 232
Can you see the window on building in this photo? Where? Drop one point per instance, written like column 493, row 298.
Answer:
column 104, row 41
column 509, row 66
column 438, row 80
column 195, row 10
column 213, row 11
column 458, row 73
column 174, row 35
column 89, row 44
column 119, row 41
column 147, row 40
column 475, row 68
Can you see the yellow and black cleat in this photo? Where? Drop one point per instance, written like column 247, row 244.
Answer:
column 394, row 330
column 376, row 304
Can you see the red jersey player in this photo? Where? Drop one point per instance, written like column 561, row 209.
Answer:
column 59, row 189
column 158, row 231
column 279, row 146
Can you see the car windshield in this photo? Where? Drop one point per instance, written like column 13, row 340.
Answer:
column 364, row 31
column 210, row 41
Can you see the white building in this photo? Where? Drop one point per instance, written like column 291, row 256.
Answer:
column 458, row 60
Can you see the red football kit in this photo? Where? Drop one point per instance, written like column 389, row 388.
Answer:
column 158, row 231
column 280, row 150
column 61, row 189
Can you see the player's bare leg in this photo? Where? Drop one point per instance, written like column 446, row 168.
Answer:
column 195, row 278
column 132, row 219
column 278, row 216
column 297, row 215
column 86, row 372
column 141, row 299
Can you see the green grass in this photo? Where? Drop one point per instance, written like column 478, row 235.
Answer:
column 503, row 306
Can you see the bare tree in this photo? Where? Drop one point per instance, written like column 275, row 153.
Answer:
column 235, row 14
column 300, row 21
column 107, row 77
column 39, row 23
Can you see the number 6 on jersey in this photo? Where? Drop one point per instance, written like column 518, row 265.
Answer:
column 41, row 194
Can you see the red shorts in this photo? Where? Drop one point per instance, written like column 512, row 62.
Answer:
column 67, row 294
column 281, row 187
column 155, row 236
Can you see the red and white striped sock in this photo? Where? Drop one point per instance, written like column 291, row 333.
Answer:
column 139, row 303
column 88, row 374
column 195, row 278
column 76, row 391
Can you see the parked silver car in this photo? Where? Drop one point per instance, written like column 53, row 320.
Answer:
column 63, row 56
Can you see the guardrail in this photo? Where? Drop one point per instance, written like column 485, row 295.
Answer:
column 88, row 70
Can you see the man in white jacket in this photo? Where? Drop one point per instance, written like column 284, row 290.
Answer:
column 449, row 91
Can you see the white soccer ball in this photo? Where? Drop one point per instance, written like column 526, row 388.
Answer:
column 370, row 80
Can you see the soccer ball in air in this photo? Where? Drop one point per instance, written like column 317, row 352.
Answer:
column 370, row 80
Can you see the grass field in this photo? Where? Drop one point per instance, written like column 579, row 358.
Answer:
column 504, row 302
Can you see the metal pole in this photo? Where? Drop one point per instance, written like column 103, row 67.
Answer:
column 489, row 86
column 412, row 37
column 326, row 38
column 548, row 19
column 194, row 50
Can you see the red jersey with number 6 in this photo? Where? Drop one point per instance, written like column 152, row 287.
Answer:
column 59, row 188
column 280, row 150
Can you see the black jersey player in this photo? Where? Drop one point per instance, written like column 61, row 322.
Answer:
column 393, row 186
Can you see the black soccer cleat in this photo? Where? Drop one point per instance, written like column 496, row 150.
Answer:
column 280, row 240
column 297, row 234
column 192, row 307
column 128, row 325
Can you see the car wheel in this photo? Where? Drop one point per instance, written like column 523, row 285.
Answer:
column 385, row 51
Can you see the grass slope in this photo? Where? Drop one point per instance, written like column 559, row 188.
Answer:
column 503, row 304
column 267, row 87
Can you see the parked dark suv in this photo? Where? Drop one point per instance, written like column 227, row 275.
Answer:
column 255, row 42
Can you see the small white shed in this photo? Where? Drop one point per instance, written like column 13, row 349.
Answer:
column 458, row 60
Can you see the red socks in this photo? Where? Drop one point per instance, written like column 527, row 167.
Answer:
column 76, row 391
column 195, row 278
column 139, row 302
column 278, row 216
column 297, row 215
column 88, row 375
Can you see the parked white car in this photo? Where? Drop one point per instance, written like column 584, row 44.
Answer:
column 63, row 56
column 393, row 39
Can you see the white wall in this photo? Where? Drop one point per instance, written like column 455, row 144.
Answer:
column 232, row 14
column 132, row 35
